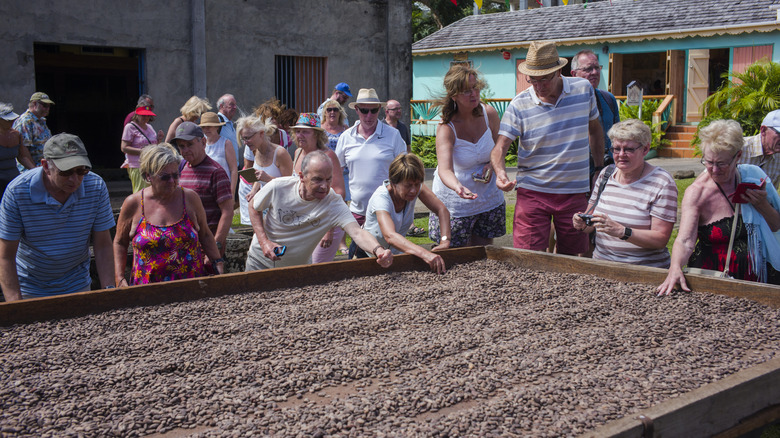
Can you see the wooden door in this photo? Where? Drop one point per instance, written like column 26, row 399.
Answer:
column 616, row 85
column 698, row 83
column 675, row 78
column 520, row 80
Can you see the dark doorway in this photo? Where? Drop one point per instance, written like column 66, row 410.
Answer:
column 648, row 69
column 719, row 64
column 93, row 89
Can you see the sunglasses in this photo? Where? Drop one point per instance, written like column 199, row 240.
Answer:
column 366, row 110
column 168, row 176
column 80, row 171
column 333, row 110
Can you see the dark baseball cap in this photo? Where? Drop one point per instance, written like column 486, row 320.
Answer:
column 188, row 131
column 66, row 151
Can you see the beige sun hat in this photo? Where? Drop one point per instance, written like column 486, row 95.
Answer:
column 210, row 119
column 542, row 59
column 367, row 96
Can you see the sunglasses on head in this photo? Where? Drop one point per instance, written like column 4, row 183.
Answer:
column 366, row 110
column 80, row 171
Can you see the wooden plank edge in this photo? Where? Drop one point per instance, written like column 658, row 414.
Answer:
column 712, row 409
column 763, row 293
column 85, row 303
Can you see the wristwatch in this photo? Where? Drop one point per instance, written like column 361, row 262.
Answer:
column 443, row 239
column 626, row 234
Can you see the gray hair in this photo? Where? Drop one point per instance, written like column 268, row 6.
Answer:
column 631, row 130
column 575, row 62
column 143, row 100
column 314, row 155
column 156, row 157
column 222, row 100
column 722, row 136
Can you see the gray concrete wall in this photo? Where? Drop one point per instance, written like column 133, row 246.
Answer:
column 367, row 42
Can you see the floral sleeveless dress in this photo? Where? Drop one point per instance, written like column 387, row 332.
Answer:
column 164, row 253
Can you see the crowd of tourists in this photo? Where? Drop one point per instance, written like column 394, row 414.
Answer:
column 304, row 181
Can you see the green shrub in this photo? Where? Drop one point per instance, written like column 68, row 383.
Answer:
column 648, row 108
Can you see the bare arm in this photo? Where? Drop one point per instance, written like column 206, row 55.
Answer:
column 225, row 220
column 445, row 143
column 172, row 129
column 205, row 237
column 104, row 257
column 369, row 244
column 497, row 158
column 256, row 218
column 232, row 170
column 130, row 150
column 434, row 204
column 337, row 183
column 24, row 156
column 758, row 198
column 596, row 140
column 9, row 279
column 655, row 238
column 396, row 240
column 284, row 161
column 685, row 242
column 122, row 239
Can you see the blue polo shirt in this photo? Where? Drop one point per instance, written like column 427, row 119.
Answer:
column 229, row 132
column 53, row 255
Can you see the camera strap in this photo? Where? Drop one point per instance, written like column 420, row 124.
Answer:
column 602, row 183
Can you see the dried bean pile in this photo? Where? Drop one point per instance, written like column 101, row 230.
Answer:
column 485, row 350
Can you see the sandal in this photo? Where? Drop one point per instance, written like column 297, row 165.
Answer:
column 416, row 232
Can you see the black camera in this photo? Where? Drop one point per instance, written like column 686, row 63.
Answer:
column 588, row 218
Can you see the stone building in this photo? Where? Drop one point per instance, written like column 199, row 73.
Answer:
column 95, row 58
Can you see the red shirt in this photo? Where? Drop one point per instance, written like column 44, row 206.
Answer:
column 211, row 183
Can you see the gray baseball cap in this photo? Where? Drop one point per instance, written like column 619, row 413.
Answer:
column 66, row 151
column 188, row 131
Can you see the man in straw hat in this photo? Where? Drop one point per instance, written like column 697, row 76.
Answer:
column 367, row 149
column 557, row 123
column 47, row 218
column 32, row 125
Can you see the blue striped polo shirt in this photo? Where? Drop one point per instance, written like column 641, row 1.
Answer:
column 53, row 254
column 553, row 149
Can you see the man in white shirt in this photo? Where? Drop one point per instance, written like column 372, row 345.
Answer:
column 761, row 149
column 301, row 209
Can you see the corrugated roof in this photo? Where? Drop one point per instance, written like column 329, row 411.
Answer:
column 602, row 21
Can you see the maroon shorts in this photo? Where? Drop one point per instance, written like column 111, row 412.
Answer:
column 535, row 210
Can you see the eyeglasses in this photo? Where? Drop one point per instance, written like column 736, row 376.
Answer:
column 469, row 92
column 534, row 80
column 367, row 110
column 617, row 151
column 80, row 171
column 249, row 138
column 718, row 164
column 332, row 109
column 169, row 176
column 591, row 68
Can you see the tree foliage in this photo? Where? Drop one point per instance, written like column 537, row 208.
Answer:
column 745, row 97
column 428, row 16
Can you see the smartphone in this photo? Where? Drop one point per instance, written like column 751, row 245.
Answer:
column 738, row 196
column 248, row 174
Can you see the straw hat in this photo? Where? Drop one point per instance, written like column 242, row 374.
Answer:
column 367, row 96
column 210, row 119
column 542, row 59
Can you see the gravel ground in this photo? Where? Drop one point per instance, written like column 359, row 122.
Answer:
column 485, row 350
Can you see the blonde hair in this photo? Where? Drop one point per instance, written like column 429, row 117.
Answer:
column 722, row 136
column 156, row 157
column 334, row 104
column 255, row 124
column 194, row 107
column 455, row 81
column 320, row 135
column 631, row 130
column 406, row 167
